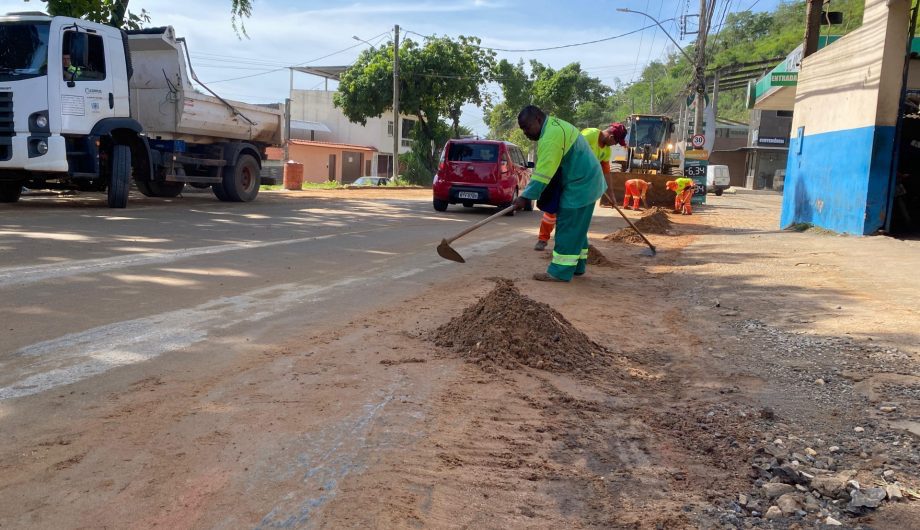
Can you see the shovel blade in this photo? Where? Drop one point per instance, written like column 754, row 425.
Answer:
column 649, row 252
column 447, row 252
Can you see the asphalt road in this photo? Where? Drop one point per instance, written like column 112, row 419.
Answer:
column 86, row 289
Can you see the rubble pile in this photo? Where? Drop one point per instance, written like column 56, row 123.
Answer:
column 510, row 330
column 655, row 220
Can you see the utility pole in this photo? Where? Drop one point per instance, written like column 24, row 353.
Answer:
column 715, row 96
column 701, row 68
column 287, row 118
column 812, row 26
column 396, row 120
column 651, row 98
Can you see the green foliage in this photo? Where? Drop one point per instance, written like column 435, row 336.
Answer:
column 116, row 13
column 744, row 37
column 568, row 93
column 436, row 79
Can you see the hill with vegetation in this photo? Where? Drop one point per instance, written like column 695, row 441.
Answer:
column 737, row 38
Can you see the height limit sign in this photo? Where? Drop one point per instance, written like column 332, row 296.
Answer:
column 698, row 141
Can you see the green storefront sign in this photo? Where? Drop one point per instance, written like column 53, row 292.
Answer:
column 784, row 78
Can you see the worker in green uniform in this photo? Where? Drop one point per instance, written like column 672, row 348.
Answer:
column 563, row 153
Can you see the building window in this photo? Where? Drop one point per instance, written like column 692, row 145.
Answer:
column 390, row 128
column 406, row 132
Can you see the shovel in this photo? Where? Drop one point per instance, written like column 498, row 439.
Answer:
column 651, row 248
column 447, row 252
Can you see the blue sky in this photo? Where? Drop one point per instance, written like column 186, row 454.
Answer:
column 288, row 32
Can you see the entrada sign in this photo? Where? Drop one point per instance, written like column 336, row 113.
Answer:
column 784, row 78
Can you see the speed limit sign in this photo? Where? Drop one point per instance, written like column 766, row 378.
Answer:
column 698, row 140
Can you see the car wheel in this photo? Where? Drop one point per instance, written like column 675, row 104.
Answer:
column 513, row 197
column 440, row 205
column 719, row 192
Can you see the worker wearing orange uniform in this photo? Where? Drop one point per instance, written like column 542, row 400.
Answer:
column 636, row 189
column 600, row 143
column 683, row 188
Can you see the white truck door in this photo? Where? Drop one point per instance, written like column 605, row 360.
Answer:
column 86, row 81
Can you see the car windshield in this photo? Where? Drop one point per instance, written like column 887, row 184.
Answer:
column 643, row 132
column 23, row 50
column 472, row 153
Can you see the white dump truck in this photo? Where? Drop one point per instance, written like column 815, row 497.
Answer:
column 90, row 107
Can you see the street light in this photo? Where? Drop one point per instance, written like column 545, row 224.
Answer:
column 698, row 63
column 357, row 38
column 653, row 19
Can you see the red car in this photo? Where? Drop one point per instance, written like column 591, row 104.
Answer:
column 480, row 172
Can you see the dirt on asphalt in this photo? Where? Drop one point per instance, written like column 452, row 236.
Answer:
column 655, row 220
column 508, row 329
column 696, row 390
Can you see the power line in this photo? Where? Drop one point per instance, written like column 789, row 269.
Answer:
column 606, row 39
column 301, row 64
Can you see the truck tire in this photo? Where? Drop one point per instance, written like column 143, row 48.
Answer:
column 719, row 192
column 219, row 192
column 167, row 189
column 10, row 191
column 241, row 181
column 120, row 178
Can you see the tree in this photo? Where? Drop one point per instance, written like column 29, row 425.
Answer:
column 116, row 13
column 568, row 93
column 436, row 79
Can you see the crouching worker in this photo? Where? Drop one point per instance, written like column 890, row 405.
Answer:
column 683, row 189
column 562, row 148
column 636, row 189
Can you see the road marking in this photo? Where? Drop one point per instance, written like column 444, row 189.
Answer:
column 76, row 356
column 19, row 276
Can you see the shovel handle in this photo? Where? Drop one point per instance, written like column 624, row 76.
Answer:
column 489, row 219
column 613, row 203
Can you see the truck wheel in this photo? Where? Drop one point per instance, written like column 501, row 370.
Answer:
column 219, row 192
column 166, row 189
column 719, row 192
column 440, row 205
column 10, row 191
column 240, row 182
column 120, row 179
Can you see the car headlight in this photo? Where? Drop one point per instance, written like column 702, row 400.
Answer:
column 41, row 146
column 42, row 121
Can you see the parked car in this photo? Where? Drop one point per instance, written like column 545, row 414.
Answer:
column 370, row 181
column 474, row 172
column 718, row 179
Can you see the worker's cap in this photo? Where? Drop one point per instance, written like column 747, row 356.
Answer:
column 618, row 131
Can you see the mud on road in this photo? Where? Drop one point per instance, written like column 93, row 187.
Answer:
column 687, row 411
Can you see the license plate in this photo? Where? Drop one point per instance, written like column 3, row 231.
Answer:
column 467, row 195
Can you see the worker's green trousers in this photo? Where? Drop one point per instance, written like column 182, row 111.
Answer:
column 570, row 255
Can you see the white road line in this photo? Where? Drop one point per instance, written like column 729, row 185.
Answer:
column 18, row 276
column 76, row 356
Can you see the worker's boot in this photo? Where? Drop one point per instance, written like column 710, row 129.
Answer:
column 541, row 245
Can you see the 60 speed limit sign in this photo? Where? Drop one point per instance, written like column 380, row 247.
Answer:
column 698, row 140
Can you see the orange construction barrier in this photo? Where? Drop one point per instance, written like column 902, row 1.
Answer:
column 293, row 176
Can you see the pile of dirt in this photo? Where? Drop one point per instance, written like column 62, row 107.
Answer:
column 655, row 220
column 507, row 329
column 597, row 258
